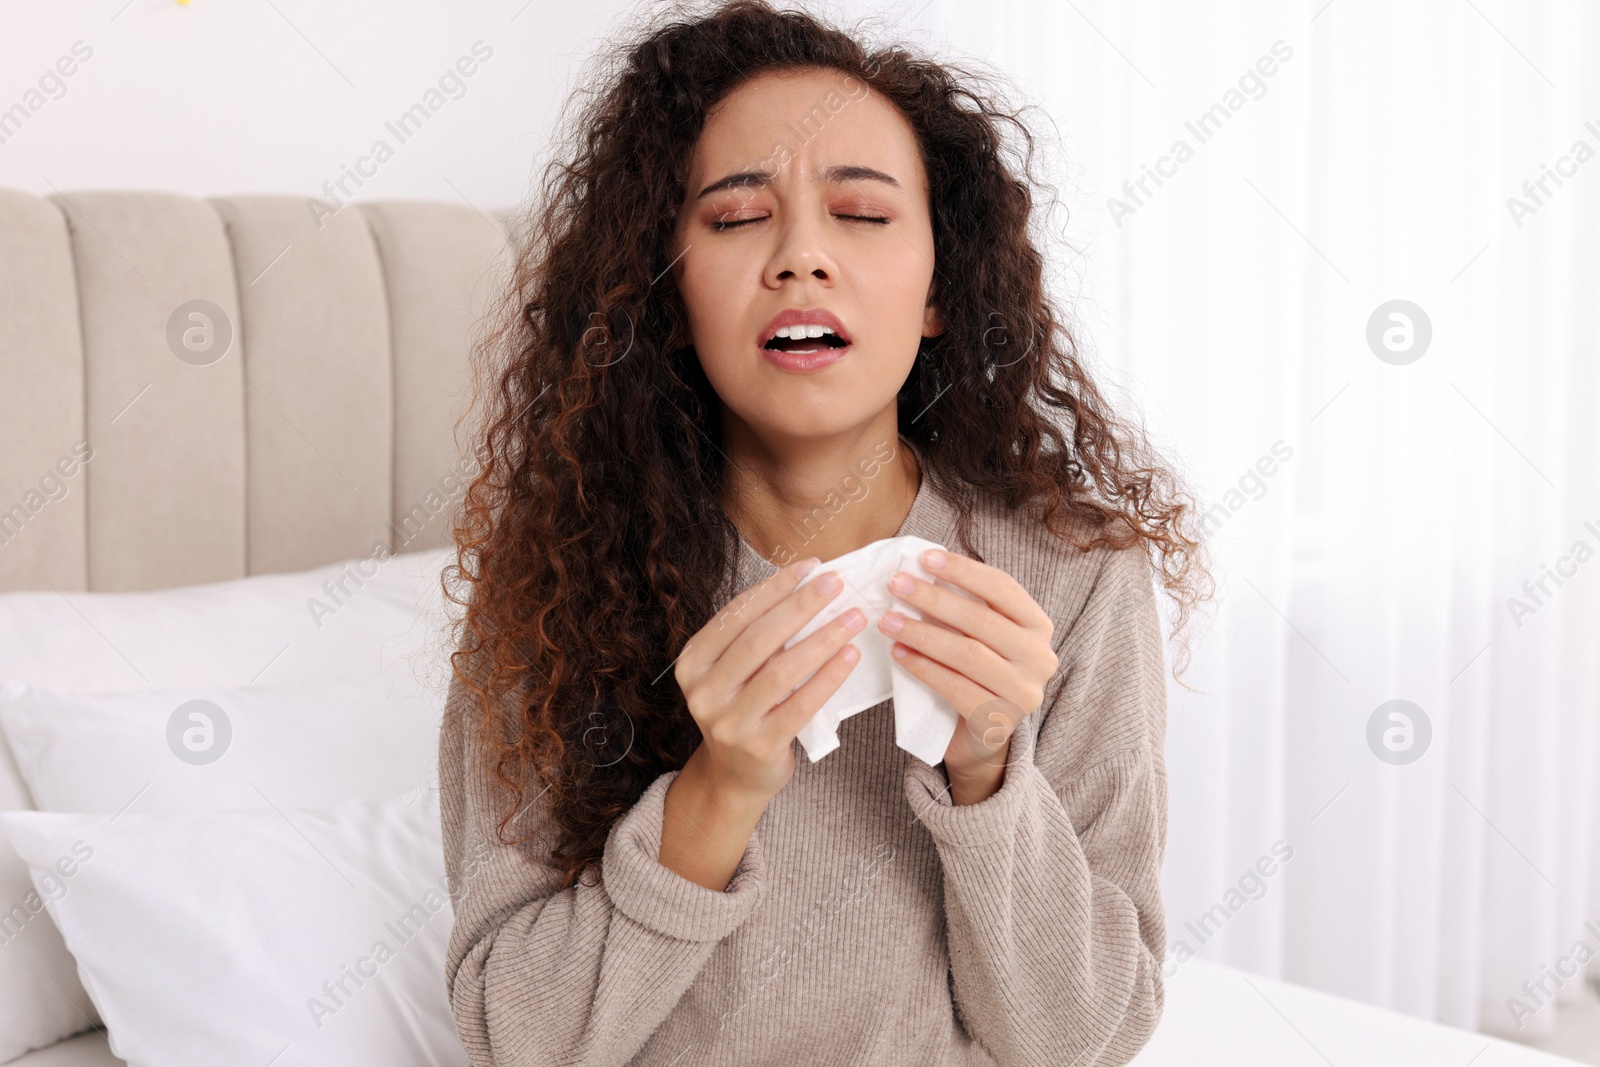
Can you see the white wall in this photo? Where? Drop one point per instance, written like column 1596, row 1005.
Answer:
column 279, row 96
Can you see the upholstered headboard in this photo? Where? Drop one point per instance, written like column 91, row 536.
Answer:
column 137, row 452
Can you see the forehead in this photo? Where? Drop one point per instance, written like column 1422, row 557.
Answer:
column 823, row 116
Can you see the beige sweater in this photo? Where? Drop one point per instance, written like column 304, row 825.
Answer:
column 870, row 921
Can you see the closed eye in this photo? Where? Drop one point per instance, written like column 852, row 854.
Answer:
column 718, row 224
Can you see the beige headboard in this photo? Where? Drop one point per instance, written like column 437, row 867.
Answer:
column 136, row 453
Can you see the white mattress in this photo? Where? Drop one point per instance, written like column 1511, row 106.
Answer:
column 1223, row 1017
column 1214, row 1016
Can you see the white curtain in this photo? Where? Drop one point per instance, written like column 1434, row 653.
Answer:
column 1392, row 526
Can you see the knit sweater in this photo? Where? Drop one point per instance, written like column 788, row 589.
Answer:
column 870, row 920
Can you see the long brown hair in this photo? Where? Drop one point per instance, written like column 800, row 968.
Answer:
column 592, row 537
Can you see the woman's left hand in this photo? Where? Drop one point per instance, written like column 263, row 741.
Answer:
column 991, row 658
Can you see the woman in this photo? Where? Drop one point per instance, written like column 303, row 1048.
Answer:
column 780, row 302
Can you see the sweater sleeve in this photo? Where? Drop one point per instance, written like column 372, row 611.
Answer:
column 576, row 976
column 1052, row 885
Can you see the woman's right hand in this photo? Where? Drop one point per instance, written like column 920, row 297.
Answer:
column 737, row 677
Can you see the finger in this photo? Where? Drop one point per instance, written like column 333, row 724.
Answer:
column 708, row 646
column 957, row 651
column 1011, row 685
column 791, row 715
column 776, row 680
column 965, row 615
column 1002, row 592
column 965, row 695
column 764, row 636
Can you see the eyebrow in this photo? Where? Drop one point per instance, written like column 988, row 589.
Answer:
column 755, row 179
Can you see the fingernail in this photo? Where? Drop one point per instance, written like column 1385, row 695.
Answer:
column 901, row 584
column 830, row 582
column 898, row 652
column 806, row 566
column 933, row 559
column 892, row 622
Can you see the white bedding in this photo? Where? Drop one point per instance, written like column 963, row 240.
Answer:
column 369, row 618
column 309, row 936
column 1220, row 1016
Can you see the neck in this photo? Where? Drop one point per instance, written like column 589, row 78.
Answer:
column 822, row 499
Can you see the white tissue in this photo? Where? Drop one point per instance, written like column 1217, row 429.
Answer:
column 924, row 721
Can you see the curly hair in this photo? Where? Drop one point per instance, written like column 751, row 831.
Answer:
column 592, row 536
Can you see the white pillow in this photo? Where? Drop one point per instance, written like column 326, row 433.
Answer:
column 382, row 614
column 362, row 616
column 169, row 751
column 310, row 936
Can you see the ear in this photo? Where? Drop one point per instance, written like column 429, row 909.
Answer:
column 679, row 340
column 932, row 321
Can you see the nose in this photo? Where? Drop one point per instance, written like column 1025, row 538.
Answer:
column 801, row 252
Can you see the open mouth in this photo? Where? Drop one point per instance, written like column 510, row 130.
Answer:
column 805, row 345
